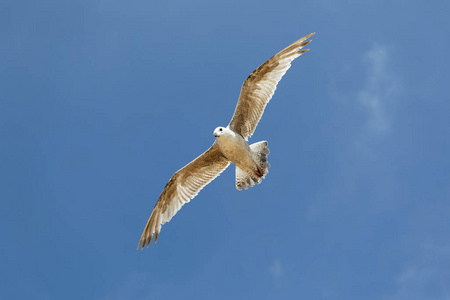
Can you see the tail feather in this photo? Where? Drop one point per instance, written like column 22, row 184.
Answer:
column 261, row 151
column 245, row 180
column 248, row 179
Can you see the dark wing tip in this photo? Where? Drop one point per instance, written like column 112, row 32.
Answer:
column 305, row 37
column 145, row 241
column 141, row 244
column 305, row 43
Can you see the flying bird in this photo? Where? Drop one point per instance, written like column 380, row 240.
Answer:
column 230, row 145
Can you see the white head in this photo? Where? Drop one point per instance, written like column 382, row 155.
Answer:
column 219, row 131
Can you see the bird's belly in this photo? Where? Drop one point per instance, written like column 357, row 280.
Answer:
column 237, row 151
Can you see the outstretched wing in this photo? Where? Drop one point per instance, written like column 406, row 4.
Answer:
column 181, row 188
column 259, row 87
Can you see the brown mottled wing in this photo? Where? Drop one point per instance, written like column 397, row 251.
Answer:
column 181, row 188
column 259, row 87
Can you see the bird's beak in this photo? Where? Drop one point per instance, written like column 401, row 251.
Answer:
column 216, row 135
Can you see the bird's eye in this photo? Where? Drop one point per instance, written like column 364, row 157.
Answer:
column 220, row 129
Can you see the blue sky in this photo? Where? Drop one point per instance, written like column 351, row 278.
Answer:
column 102, row 101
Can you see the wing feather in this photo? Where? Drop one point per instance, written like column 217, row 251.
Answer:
column 184, row 185
column 260, row 86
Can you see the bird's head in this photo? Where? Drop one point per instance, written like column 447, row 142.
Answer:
column 219, row 131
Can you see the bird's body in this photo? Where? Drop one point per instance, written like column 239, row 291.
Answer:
column 230, row 145
column 235, row 149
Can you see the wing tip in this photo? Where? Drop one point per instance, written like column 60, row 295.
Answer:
column 306, row 37
column 294, row 48
column 141, row 244
column 304, row 44
column 145, row 241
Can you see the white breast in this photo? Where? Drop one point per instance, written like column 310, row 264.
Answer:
column 235, row 148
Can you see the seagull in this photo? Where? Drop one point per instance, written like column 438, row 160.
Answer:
column 230, row 145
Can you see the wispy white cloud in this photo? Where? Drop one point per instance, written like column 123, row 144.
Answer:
column 380, row 89
column 427, row 276
column 276, row 270
column 368, row 102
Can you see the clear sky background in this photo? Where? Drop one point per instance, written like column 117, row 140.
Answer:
column 102, row 101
